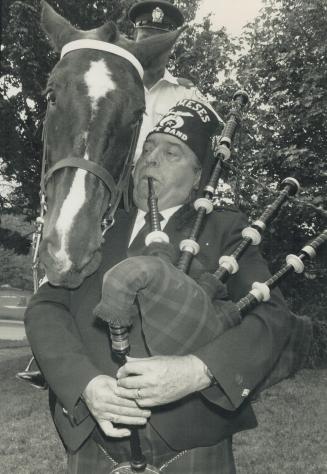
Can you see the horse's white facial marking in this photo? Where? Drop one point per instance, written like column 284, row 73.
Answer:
column 86, row 153
column 99, row 82
column 71, row 205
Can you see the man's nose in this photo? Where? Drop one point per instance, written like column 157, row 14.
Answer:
column 153, row 158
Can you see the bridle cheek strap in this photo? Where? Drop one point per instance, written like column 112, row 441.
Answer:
column 124, row 179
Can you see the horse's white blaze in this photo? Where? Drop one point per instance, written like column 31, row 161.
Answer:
column 86, row 153
column 72, row 204
column 99, row 82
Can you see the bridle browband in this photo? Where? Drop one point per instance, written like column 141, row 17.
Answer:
column 116, row 190
column 103, row 46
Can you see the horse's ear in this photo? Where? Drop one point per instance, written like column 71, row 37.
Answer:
column 108, row 32
column 149, row 49
column 56, row 27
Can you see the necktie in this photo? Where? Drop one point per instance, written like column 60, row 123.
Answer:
column 138, row 244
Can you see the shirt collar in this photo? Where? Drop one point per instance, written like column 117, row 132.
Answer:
column 139, row 220
column 166, row 213
column 167, row 77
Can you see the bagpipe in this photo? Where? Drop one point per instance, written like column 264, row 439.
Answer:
column 179, row 314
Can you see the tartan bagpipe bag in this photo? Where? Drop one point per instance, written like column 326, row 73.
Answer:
column 178, row 315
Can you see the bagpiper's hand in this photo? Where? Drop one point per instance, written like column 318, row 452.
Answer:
column 161, row 379
column 107, row 407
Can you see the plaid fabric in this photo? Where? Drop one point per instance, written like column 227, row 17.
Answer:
column 179, row 317
column 97, row 456
column 295, row 353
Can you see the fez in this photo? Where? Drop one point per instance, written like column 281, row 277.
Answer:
column 193, row 123
column 160, row 14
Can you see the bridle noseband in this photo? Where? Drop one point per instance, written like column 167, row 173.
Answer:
column 99, row 171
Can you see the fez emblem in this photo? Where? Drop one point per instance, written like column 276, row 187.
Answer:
column 175, row 120
column 172, row 121
column 157, row 15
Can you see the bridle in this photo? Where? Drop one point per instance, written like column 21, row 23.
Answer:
column 116, row 190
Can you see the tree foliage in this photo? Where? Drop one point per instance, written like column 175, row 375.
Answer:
column 284, row 71
column 15, row 251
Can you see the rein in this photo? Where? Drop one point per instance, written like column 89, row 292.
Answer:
column 116, row 190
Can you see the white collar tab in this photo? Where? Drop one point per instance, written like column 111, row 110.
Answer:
column 103, row 46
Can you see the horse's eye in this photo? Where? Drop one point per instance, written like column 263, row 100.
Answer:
column 51, row 97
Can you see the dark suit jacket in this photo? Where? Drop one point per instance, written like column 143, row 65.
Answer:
column 72, row 347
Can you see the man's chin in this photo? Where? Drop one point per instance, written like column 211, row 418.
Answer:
column 140, row 200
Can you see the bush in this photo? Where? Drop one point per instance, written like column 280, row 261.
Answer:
column 16, row 269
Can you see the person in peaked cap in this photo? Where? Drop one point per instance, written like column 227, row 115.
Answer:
column 187, row 407
column 162, row 89
column 159, row 15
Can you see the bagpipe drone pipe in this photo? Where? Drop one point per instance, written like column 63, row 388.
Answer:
column 180, row 314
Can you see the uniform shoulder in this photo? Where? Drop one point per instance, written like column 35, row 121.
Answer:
column 187, row 83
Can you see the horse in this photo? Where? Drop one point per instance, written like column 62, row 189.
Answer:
column 95, row 99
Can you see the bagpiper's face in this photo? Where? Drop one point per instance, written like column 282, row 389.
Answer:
column 174, row 168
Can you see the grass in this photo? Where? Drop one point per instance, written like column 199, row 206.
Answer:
column 292, row 434
column 28, row 441
column 291, row 438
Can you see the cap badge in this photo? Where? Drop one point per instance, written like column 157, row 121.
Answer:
column 157, row 15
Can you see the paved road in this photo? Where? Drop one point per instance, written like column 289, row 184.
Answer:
column 12, row 330
column 13, row 302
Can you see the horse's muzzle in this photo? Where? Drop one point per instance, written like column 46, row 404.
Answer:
column 71, row 275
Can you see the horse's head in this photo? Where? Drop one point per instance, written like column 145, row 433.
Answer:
column 95, row 98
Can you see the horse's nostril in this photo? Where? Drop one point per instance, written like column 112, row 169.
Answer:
column 54, row 259
column 59, row 262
